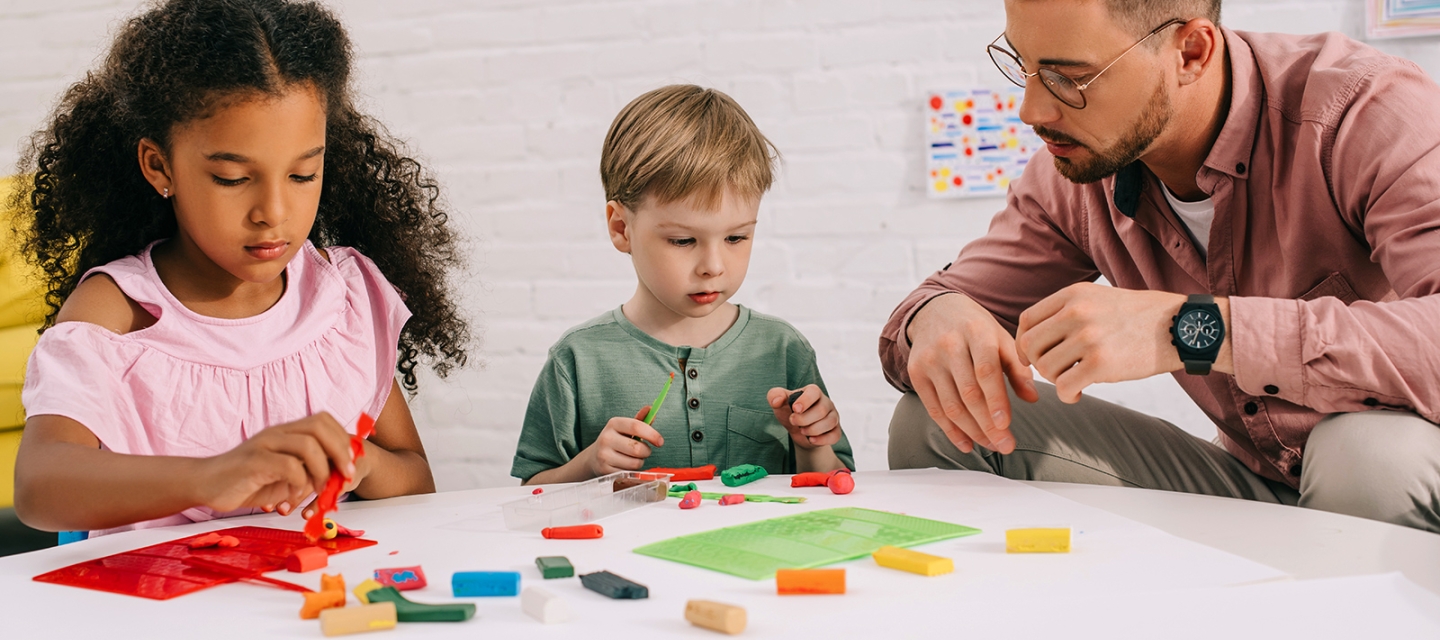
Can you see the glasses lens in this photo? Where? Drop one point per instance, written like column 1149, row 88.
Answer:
column 1063, row 88
column 1008, row 65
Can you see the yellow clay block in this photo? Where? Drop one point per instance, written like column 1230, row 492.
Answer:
column 913, row 561
column 365, row 587
column 371, row 617
column 1038, row 540
column 715, row 616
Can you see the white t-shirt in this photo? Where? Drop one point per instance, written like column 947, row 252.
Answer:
column 1197, row 216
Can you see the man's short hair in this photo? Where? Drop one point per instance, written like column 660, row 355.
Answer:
column 1140, row 16
column 685, row 142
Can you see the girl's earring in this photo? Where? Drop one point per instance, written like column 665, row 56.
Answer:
column 165, row 193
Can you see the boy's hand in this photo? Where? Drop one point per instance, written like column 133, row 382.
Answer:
column 811, row 419
column 621, row 446
column 278, row 467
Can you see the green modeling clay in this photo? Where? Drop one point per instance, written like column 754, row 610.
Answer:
column 655, row 408
column 743, row 474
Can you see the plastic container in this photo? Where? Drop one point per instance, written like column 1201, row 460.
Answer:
column 586, row 501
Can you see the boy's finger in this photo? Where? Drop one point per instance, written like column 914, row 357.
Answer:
column 644, row 411
column 638, row 429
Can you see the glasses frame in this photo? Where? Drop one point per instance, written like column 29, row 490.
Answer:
column 1050, row 77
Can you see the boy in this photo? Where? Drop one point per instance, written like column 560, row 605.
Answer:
column 683, row 168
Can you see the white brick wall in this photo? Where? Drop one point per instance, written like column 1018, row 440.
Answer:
column 509, row 102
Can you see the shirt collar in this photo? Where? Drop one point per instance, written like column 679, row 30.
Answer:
column 1230, row 154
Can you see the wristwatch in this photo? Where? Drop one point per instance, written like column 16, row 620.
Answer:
column 1197, row 332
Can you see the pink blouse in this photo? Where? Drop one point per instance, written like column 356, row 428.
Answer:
column 196, row 386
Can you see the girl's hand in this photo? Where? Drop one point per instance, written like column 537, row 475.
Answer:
column 278, row 467
column 621, row 446
column 811, row 420
column 363, row 466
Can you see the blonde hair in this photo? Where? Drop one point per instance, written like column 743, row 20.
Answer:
column 685, row 142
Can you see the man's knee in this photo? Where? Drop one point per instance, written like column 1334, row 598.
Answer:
column 916, row 442
column 1380, row 465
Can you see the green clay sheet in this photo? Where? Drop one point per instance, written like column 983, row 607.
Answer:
column 801, row 541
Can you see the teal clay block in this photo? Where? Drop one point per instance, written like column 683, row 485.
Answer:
column 613, row 586
column 743, row 474
column 555, row 567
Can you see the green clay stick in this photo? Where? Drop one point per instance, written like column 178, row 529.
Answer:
column 749, row 497
column 655, row 408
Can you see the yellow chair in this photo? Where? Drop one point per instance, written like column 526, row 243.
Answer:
column 22, row 310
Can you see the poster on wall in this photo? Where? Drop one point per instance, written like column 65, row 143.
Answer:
column 975, row 143
column 1402, row 18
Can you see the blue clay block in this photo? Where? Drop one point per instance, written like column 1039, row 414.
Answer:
column 471, row 584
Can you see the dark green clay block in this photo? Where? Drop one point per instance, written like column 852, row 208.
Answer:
column 743, row 474
column 555, row 567
column 613, row 586
column 407, row 611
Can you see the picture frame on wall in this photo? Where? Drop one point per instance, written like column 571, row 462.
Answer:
column 1402, row 18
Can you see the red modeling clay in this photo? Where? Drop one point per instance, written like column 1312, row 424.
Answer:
column 706, row 472
column 207, row 540
column 691, row 500
column 577, row 532
column 537, row 491
column 169, row 569
column 307, row 559
column 732, row 498
column 325, row 502
column 839, row 481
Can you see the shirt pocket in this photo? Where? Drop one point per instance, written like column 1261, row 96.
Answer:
column 1334, row 286
column 755, row 437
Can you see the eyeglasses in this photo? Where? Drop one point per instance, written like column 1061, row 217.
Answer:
column 1063, row 88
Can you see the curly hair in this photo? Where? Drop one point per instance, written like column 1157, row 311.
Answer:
column 88, row 203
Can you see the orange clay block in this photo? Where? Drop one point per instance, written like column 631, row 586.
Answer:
column 371, row 617
column 577, row 532
column 912, row 561
column 793, row 582
column 715, row 616
column 307, row 559
column 1038, row 540
column 332, row 583
column 317, row 601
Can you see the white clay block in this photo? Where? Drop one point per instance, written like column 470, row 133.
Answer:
column 544, row 606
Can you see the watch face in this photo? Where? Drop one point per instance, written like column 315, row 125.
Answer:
column 1199, row 329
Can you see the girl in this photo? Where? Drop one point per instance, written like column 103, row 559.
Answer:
column 204, row 358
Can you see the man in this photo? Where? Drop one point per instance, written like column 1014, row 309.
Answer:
column 1265, row 206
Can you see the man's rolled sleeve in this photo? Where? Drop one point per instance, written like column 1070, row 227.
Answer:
column 1266, row 345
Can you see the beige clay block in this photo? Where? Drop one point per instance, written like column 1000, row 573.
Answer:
column 371, row 617
column 715, row 616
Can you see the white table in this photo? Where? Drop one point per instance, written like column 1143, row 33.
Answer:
column 1125, row 578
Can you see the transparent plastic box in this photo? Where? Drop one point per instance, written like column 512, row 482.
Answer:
column 587, row 501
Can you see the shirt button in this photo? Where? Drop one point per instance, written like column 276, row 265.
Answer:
column 1240, row 168
column 1371, row 402
column 1272, row 389
column 1295, row 469
column 697, row 436
column 693, row 374
column 695, row 403
column 1251, row 408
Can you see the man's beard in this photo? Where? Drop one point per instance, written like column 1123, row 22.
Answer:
column 1104, row 164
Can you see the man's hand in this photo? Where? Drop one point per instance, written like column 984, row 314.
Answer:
column 1088, row 333
column 960, row 357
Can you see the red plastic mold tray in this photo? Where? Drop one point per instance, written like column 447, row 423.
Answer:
column 159, row 572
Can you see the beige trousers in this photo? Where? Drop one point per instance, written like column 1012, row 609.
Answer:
column 1381, row 465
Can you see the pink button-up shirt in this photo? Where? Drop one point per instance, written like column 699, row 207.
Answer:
column 1326, row 184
